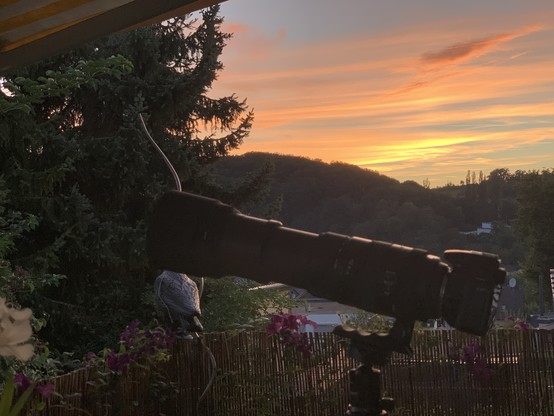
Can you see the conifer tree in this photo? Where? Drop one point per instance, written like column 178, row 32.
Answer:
column 73, row 156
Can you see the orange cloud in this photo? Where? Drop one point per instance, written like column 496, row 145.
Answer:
column 235, row 28
column 250, row 42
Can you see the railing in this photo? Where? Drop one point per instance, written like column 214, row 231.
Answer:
column 255, row 375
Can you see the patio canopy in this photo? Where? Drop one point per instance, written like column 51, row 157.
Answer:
column 31, row 30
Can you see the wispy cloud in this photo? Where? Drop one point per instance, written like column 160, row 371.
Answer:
column 466, row 50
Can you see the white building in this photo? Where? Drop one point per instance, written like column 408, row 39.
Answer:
column 485, row 228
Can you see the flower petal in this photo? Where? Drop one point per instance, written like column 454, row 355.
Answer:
column 15, row 333
column 22, row 352
column 21, row 314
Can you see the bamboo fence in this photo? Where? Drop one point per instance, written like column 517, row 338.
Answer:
column 256, row 375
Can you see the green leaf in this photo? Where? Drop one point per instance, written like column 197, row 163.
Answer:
column 7, row 397
column 16, row 409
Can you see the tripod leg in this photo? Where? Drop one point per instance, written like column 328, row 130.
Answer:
column 365, row 392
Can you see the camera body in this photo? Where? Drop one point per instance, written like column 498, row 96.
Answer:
column 204, row 237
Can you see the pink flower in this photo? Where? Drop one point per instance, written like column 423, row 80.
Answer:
column 287, row 326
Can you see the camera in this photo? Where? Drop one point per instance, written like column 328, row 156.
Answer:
column 202, row 236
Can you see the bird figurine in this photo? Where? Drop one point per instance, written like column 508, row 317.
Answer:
column 179, row 294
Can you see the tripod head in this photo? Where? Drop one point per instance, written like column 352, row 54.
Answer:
column 372, row 350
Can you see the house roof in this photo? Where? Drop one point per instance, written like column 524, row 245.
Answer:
column 31, row 30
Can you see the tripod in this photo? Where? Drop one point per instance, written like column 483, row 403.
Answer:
column 372, row 350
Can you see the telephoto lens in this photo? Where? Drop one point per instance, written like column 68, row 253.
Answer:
column 201, row 236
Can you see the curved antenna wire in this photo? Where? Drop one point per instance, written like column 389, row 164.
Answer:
column 173, row 172
column 162, row 154
column 212, row 375
column 201, row 339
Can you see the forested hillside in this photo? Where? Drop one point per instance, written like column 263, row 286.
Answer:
column 316, row 196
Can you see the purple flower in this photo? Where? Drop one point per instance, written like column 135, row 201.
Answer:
column 514, row 323
column 118, row 362
column 45, row 390
column 141, row 342
column 130, row 333
column 480, row 370
column 22, row 381
column 136, row 345
column 276, row 325
column 471, row 350
column 475, row 363
column 521, row 325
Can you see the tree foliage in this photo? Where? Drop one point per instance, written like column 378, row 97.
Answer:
column 82, row 177
column 536, row 224
column 235, row 305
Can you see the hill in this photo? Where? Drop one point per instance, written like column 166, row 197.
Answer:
column 317, row 197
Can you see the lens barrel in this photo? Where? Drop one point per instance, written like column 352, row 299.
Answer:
column 204, row 237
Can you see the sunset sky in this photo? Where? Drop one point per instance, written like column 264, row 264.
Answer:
column 412, row 89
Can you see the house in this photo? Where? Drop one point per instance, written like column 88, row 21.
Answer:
column 485, row 228
column 325, row 313
column 325, row 322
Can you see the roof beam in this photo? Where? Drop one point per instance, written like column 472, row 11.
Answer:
column 128, row 16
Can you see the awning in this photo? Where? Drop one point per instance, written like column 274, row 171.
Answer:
column 31, row 30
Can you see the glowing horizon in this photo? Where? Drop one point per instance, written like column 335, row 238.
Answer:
column 427, row 93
